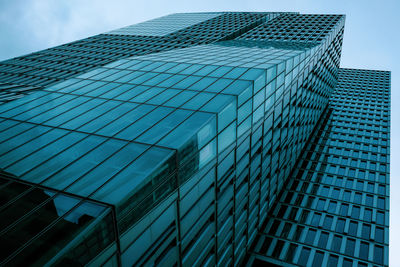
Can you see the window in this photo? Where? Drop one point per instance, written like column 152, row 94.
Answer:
column 332, row 206
column 357, row 198
column 380, row 217
column 364, row 250
column 347, row 262
column 350, row 245
column 365, row 231
column 340, row 225
column 344, row 209
column 286, row 230
column 336, row 243
column 278, row 249
column 323, row 240
column 355, row 212
column 367, row 215
column 304, row 216
column 320, row 204
column 333, row 261
column 381, row 203
column 310, row 236
column 291, row 252
column 318, row 258
column 298, row 232
column 379, row 234
column 353, row 228
column 305, row 253
column 316, row 219
column 378, row 254
column 328, row 222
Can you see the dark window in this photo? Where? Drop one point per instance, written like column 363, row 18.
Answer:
column 305, row 253
column 344, row 209
column 369, row 200
column 265, row 246
column 378, row 254
column 310, row 236
column 286, row 230
column 367, row 215
column 332, row 206
column 347, row 262
column 357, row 198
column 355, row 212
column 380, row 217
column 333, row 261
column 304, row 215
column 350, row 244
column 290, row 252
column 323, row 240
column 316, row 219
column 298, row 232
column 379, row 234
column 274, row 227
column 321, row 204
column 278, row 249
column 318, row 258
column 353, row 228
column 381, row 203
column 365, row 231
column 336, row 243
column 340, row 225
column 364, row 250
column 328, row 222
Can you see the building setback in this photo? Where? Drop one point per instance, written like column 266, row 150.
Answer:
column 196, row 139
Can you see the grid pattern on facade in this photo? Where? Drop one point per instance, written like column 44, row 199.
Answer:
column 62, row 62
column 294, row 28
column 242, row 114
column 165, row 25
column 335, row 208
column 222, row 142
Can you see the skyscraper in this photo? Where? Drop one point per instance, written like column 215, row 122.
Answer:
column 195, row 139
column 335, row 207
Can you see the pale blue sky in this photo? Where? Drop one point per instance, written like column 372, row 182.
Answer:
column 371, row 41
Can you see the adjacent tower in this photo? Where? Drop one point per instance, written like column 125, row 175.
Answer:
column 334, row 210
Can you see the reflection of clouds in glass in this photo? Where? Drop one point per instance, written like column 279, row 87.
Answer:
column 64, row 204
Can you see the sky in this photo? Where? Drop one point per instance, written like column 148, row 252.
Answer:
column 371, row 41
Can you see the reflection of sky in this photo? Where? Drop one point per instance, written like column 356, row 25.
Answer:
column 65, row 203
column 371, row 39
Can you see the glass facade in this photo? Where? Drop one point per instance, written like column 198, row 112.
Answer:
column 179, row 140
column 335, row 207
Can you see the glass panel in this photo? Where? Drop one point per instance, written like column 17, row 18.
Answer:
column 144, row 123
column 126, row 120
column 226, row 137
column 58, row 161
column 163, row 127
column 303, row 259
column 124, row 189
column 42, row 155
column 69, row 174
column 91, row 181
